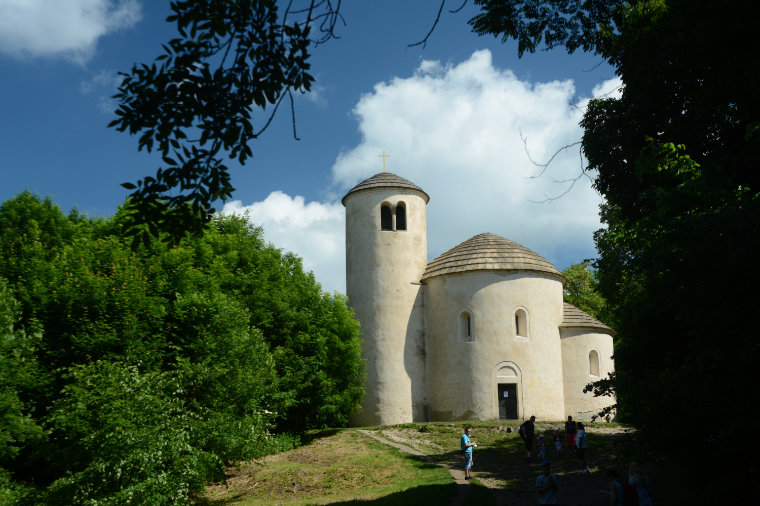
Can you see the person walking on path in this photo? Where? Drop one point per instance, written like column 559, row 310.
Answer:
column 640, row 483
column 467, row 447
column 546, row 485
column 581, row 441
column 526, row 432
column 570, row 430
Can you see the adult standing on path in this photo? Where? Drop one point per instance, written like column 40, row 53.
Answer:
column 526, row 432
column 570, row 430
column 467, row 447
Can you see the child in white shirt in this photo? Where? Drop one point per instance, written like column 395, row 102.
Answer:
column 541, row 447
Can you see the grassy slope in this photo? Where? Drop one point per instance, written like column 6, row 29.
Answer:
column 346, row 466
column 335, row 467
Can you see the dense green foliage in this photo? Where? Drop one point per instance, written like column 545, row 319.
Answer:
column 18, row 375
column 676, row 159
column 581, row 289
column 573, row 24
column 135, row 376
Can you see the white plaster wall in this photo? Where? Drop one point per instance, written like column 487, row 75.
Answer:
column 576, row 346
column 463, row 380
column 383, row 270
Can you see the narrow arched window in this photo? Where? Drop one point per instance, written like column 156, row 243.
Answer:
column 400, row 216
column 466, row 326
column 593, row 363
column 386, row 218
column 521, row 323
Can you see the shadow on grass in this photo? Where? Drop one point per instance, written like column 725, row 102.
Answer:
column 313, row 435
column 501, row 457
column 499, row 461
column 425, row 494
column 428, row 494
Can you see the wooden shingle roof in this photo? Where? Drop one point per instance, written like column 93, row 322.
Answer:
column 386, row 180
column 572, row 317
column 489, row 252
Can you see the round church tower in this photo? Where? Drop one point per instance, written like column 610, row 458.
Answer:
column 386, row 254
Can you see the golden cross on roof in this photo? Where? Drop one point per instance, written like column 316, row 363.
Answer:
column 383, row 156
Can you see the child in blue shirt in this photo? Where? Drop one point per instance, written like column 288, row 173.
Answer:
column 541, row 447
column 546, row 485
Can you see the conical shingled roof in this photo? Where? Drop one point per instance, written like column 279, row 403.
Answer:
column 386, row 180
column 489, row 252
column 572, row 317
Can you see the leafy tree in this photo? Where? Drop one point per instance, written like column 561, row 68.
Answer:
column 148, row 370
column 32, row 232
column 573, row 24
column 675, row 158
column 197, row 102
column 18, row 374
column 313, row 335
column 581, row 290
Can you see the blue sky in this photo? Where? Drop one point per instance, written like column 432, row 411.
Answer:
column 452, row 117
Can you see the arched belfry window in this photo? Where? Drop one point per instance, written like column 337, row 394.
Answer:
column 521, row 323
column 386, row 218
column 400, row 216
column 466, row 327
column 593, row 363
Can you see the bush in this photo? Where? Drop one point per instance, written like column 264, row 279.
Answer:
column 153, row 369
column 125, row 436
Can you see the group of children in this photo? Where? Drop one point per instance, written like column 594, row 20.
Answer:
column 542, row 445
column 576, row 440
column 575, row 433
column 546, row 483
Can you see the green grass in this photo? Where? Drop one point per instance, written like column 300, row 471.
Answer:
column 499, row 459
column 345, row 467
column 348, row 467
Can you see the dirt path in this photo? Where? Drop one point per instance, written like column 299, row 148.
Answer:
column 463, row 486
column 589, row 489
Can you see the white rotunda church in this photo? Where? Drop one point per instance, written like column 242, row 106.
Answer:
column 479, row 333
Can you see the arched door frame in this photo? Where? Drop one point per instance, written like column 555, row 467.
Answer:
column 499, row 379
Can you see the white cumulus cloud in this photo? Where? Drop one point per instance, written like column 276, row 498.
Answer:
column 611, row 88
column 314, row 231
column 68, row 28
column 465, row 134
